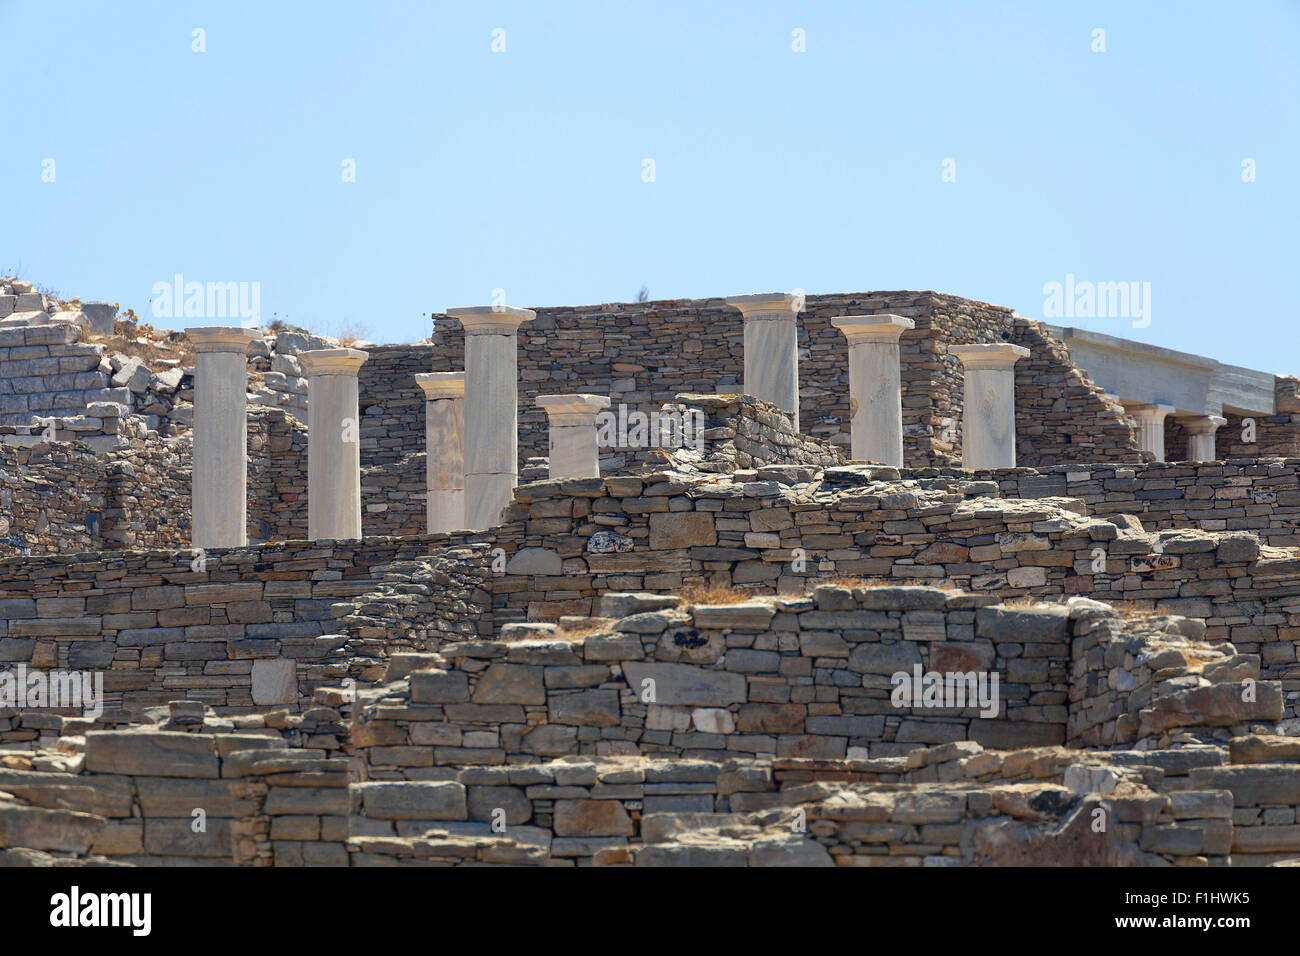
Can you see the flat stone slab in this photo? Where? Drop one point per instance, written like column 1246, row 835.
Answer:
column 755, row 614
column 152, row 754
column 686, row 685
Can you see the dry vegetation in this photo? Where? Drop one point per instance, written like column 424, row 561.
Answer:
column 577, row 631
column 134, row 338
column 708, row 593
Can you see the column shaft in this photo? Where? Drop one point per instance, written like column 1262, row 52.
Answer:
column 491, row 410
column 875, row 385
column 219, row 491
column 574, row 449
column 989, row 410
column 444, row 433
column 771, row 349
column 333, row 443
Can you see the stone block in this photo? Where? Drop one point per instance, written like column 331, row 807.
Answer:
column 682, row 684
column 504, row 683
column 152, row 754
column 583, row 818
column 414, row 801
column 681, row 529
column 275, row 681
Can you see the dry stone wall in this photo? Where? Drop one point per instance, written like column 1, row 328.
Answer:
column 64, row 498
column 130, row 796
column 814, row 676
column 643, row 354
column 47, row 370
column 257, row 628
column 1136, row 681
column 543, row 693
column 669, row 531
column 276, row 789
column 1257, row 495
column 788, row 677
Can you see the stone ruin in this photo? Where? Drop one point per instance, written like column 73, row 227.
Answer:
column 879, row 579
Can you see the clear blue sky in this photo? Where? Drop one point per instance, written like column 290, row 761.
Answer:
column 774, row 170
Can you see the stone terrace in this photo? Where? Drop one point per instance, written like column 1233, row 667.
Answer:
column 915, row 592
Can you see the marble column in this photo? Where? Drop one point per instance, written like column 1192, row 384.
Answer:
column 444, row 435
column 989, row 407
column 875, row 385
column 333, row 443
column 1200, row 435
column 491, row 410
column 1151, row 426
column 219, row 490
column 771, row 348
column 574, row 453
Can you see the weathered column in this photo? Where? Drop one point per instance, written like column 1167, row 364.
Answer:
column 1200, row 436
column 333, row 443
column 219, row 489
column 989, row 407
column 491, row 410
column 875, row 385
column 574, row 453
column 771, row 348
column 1151, row 427
column 444, row 435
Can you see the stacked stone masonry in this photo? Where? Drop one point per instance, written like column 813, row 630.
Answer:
column 694, row 658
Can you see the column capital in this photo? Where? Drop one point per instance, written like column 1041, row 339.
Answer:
column 221, row 338
column 767, row 305
column 572, row 409
column 438, row 385
column 998, row 355
column 1202, row 424
column 872, row 328
column 491, row 319
column 332, row 361
column 1144, row 412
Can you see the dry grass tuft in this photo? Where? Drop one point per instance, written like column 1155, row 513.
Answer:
column 715, row 594
column 1134, row 611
